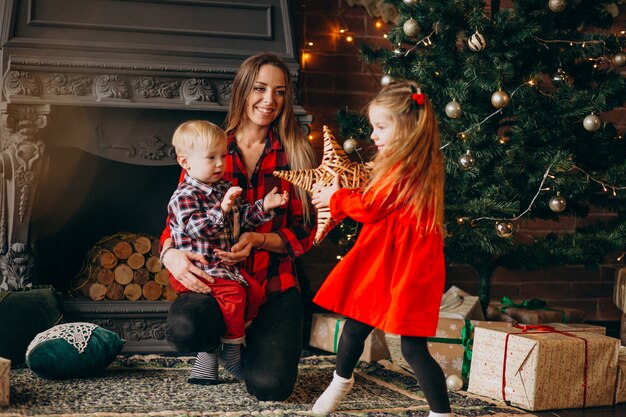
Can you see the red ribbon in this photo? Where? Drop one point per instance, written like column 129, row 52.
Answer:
column 543, row 329
column 419, row 98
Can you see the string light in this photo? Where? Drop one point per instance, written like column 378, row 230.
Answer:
column 545, row 42
column 378, row 24
column 605, row 186
column 425, row 41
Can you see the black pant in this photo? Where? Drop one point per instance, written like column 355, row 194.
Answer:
column 273, row 341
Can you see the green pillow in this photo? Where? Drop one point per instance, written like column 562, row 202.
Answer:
column 23, row 314
column 72, row 350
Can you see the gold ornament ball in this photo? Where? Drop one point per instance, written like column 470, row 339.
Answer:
column 592, row 123
column 557, row 6
column 557, row 203
column 476, row 42
column 467, row 161
column 504, row 229
column 619, row 59
column 453, row 110
column 411, row 28
column 454, row 382
column 349, row 145
column 385, row 80
column 500, row 99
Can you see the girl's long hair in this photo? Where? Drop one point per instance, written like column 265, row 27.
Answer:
column 300, row 154
column 412, row 166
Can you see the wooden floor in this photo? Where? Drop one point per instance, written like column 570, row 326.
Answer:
column 614, row 411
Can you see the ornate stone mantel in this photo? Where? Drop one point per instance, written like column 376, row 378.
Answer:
column 68, row 79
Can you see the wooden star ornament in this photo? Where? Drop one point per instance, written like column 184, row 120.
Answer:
column 334, row 162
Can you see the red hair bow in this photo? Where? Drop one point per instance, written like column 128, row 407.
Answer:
column 418, row 98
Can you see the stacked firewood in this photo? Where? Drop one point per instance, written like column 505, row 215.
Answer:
column 125, row 266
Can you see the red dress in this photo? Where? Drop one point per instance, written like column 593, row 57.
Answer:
column 394, row 275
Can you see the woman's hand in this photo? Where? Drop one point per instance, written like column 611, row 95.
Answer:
column 241, row 249
column 322, row 194
column 180, row 264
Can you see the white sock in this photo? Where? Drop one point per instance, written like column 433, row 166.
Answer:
column 336, row 391
column 433, row 414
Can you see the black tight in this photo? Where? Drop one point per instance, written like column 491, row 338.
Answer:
column 415, row 351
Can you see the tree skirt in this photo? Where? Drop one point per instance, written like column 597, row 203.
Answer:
column 142, row 386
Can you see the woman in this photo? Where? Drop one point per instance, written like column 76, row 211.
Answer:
column 263, row 137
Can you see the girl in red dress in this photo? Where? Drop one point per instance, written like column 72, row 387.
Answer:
column 393, row 277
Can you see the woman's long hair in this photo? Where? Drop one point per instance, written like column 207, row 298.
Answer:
column 299, row 151
column 413, row 164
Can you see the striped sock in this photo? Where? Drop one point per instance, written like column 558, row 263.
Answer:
column 230, row 358
column 204, row 371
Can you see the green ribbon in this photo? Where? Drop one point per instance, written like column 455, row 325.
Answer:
column 532, row 304
column 466, row 341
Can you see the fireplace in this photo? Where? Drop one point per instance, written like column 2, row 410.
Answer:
column 91, row 93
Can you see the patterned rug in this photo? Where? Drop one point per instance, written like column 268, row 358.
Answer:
column 155, row 386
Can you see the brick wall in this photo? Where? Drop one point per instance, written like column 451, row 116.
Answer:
column 333, row 77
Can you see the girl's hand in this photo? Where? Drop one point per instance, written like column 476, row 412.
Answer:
column 240, row 250
column 322, row 194
column 180, row 264
column 229, row 198
column 274, row 200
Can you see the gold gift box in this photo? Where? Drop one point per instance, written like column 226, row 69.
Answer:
column 5, row 381
column 545, row 370
column 326, row 330
column 620, row 388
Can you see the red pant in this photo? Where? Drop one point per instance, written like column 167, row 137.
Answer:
column 239, row 304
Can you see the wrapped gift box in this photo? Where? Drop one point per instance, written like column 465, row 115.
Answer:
column 5, row 383
column 620, row 388
column 619, row 290
column 544, row 370
column 325, row 332
column 457, row 304
column 448, row 347
column 549, row 314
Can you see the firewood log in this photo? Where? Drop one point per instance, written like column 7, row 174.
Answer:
column 142, row 245
column 152, row 290
column 169, row 293
column 136, row 260
column 104, row 276
column 162, row 277
column 122, row 249
column 156, row 248
column 141, row 276
column 153, row 264
column 115, row 291
column 123, row 274
column 97, row 291
column 106, row 259
column 132, row 292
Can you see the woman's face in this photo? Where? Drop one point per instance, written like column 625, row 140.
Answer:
column 266, row 99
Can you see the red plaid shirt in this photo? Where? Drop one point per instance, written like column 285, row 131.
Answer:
column 276, row 272
column 198, row 224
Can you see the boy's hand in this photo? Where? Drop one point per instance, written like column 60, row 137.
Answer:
column 273, row 199
column 229, row 198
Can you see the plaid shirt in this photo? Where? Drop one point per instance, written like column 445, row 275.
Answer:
column 275, row 271
column 199, row 225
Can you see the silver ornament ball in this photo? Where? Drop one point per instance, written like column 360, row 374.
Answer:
column 349, row 145
column 476, row 42
column 411, row 28
column 454, row 382
column 557, row 6
column 385, row 80
column 453, row 110
column 500, row 99
column 409, row 1
column 557, row 203
column 467, row 161
column 560, row 78
column 592, row 123
column 619, row 59
column 504, row 229
column 399, row 51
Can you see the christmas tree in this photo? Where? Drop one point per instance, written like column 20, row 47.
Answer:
column 520, row 93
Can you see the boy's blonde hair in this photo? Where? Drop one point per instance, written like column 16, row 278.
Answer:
column 413, row 165
column 197, row 135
